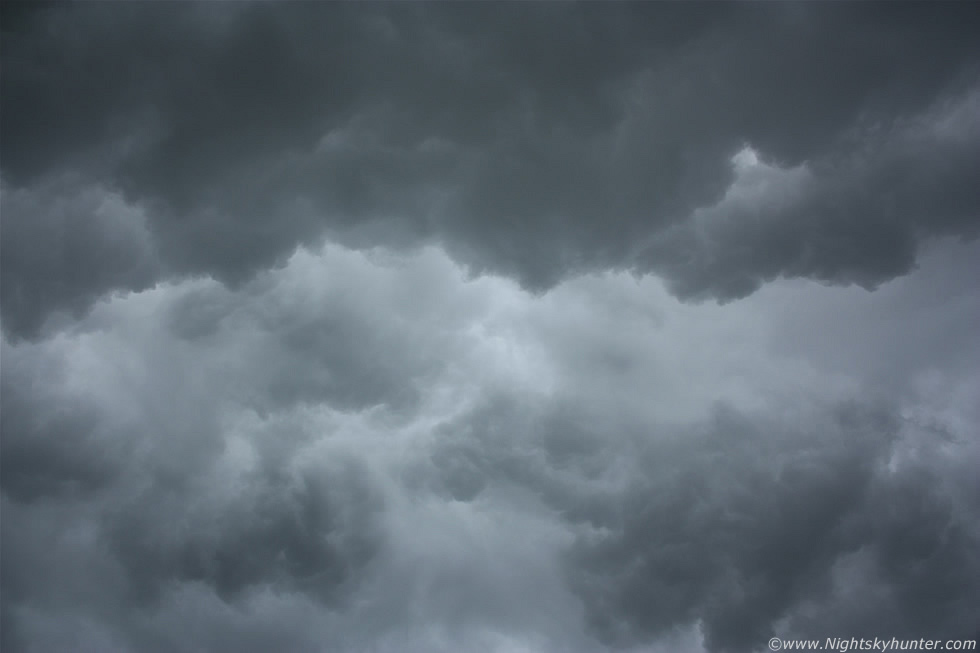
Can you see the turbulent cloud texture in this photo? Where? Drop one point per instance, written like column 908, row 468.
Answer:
column 532, row 140
column 377, row 327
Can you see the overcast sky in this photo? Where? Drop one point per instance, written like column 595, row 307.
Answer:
column 491, row 327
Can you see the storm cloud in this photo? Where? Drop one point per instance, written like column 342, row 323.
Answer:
column 530, row 140
column 488, row 327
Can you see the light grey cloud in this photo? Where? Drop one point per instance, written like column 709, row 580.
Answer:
column 598, row 467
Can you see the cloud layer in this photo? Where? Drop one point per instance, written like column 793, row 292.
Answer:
column 535, row 141
column 335, row 327
column 371, row 452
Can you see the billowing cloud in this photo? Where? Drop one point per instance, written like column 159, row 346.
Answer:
column 536, row 141
column 475, row 467
column 64, row 244
column 336, row 327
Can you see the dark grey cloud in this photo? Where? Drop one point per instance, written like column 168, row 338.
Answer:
column 745, row 525
column 852, row 217
column 743, row 534
column 64, row 244
column 538, row 141
column 336, row 327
